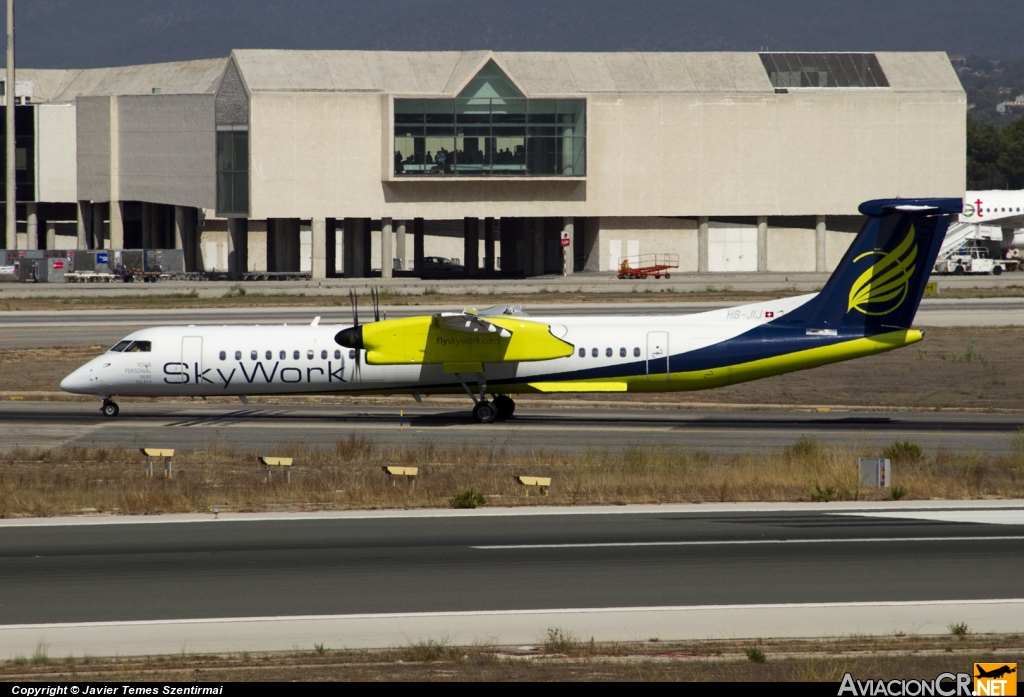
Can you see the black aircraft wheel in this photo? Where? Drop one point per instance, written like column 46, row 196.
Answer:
column 485, row 412
column 506, row 407
column 958, row 271
column 109, row 409
column 996, row 270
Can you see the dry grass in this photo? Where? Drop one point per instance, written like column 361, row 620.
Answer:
column 79, row 480
column 786, row 660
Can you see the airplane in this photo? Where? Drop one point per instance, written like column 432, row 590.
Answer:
column 866, row 307
column 995, row 673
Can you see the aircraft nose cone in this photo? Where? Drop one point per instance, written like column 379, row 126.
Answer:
column 77, row 382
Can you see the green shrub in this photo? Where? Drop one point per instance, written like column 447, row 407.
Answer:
column 804, row 448
column 467, row 498
column 903, row 451
column 897, row 492
column 958, row 629
column 754, row 654
column 829, row 493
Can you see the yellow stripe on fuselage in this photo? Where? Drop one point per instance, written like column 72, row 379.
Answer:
column 700, row 379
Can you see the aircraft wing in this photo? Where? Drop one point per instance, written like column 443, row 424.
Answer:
column 469, row 322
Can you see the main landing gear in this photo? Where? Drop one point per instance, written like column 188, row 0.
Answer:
column 109, row 408
column 488, row 411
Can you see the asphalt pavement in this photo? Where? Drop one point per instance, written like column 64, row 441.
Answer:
column 568, row 429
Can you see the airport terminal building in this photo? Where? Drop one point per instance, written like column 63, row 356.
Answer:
column 360, row 163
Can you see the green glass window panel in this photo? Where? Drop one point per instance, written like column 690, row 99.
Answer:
column 490, row 83
column 542, row 156
column 224, row 151
column 224, row 191
column 542, row 111
column 574, row 159
column 241, row 193
column 241, row 151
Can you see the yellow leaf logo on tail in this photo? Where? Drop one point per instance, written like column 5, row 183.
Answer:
column 886, row 282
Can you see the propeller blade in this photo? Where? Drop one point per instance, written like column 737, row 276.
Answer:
column 376, row 305
column 354, row 301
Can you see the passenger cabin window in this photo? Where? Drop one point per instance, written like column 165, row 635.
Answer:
column 238, row 355
column 608, row 352
column 295, row 355
column 352, row 353
column 593, row 352
column 622, row 352
column 636, row 352
column 309, row 354
column 283, row 354
column 223, row 355
column 120, row 346
column 269, row 355
column 252, row 355
column 583, row 353
column 323, row 355
column 337, row 353
column 140, row 347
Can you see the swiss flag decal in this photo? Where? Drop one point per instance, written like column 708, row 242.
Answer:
column 769, row 314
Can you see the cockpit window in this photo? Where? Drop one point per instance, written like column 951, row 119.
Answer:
column 120, row 346
column 140, row 347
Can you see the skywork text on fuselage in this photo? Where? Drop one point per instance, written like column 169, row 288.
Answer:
column 178, row 373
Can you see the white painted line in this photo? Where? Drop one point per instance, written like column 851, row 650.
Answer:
column 720, row 543
column 668, row 623
column 989, row 517
column 837, row 507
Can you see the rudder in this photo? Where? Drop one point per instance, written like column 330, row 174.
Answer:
column 878, row 285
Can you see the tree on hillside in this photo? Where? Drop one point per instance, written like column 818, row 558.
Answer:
column 995, row 159
column 984, row 145
column 1011, row 160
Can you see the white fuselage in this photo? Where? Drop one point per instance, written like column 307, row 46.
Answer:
column 305, row 359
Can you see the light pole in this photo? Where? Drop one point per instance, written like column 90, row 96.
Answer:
column 9, row 100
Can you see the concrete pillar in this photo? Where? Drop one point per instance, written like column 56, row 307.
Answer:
column 51, row 234
column 387, row 254
column 179, row 227
column 238, row 245
column 702, row 244
column 820, row 260
column 147, row 225
column 400, row 253
column 318, row 264
column 194, row 250
column 84, row 223
column 537, row 236
column 570, row 259
column 471, row 245
column 489, row 264
column 762, row 243
column 31, row 226
column 417, row 243
column 116, row 225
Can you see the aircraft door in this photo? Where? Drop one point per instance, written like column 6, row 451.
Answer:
column 657, row 356
column 191, row 357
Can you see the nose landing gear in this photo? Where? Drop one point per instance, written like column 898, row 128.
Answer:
column 109, row 408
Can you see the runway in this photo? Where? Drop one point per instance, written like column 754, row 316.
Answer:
column 106, row 327
column 855, row 564
column 582, row 429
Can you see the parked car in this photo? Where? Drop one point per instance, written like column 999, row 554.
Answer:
column 440, row 266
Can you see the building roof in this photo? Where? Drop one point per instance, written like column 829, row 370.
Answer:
column 550, row 74
column 183, row 77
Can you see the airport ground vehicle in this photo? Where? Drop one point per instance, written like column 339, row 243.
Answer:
column 972, row 257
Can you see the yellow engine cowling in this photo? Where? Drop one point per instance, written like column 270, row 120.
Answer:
column 417, row 340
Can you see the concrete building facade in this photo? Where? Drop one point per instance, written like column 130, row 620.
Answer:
column 363, row 162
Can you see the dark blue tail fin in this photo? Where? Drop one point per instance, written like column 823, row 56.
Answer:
column 878, row 285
